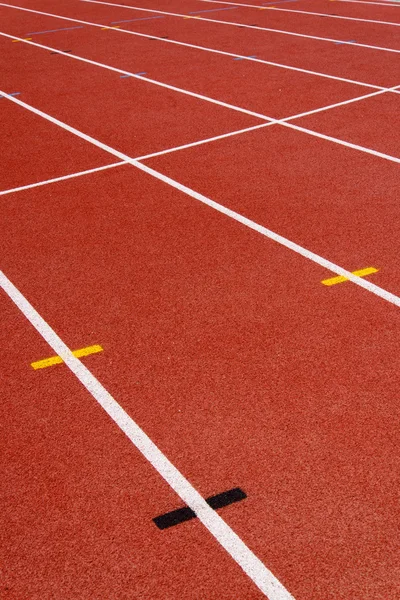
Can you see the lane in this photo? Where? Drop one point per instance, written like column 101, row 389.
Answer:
column 78, row 500
column 315, row 6
column 230, row 353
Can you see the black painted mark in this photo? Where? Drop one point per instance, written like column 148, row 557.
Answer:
column 181, row 515
column 61, row 52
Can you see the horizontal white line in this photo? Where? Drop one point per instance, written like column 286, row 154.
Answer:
column 229, row 540
column 380, row 292
column 304, row 12
column 284, row 122
column 253, row 27
column 63, row 178
column 202, row 48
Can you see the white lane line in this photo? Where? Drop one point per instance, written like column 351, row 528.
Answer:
column 219, row 529
column 202, row 48
column 304, row 12
column 364, row 2
column 378, row 291
column 153, row 81
column 283, row 122
column 323, row 262
column 253, row 27
column 205, row 141
column 63, row 178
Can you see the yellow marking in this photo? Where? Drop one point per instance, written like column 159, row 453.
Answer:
column 111, row 27
column 341, row 278
column 56, row 360
column 25, row 39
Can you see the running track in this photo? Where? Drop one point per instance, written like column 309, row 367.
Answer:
column 175, row 190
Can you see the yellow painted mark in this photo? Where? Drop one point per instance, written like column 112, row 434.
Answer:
column 111, row 27
column 341, row 278
column 25, row 39
column 56, row 360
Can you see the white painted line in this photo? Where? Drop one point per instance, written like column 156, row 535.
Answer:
column 253, row 27
column 380, row 292
column 63, row 178
column 364, row 2
column 142, row 78
column 205, row 141
column 328, row 138
column 283, row 122
column 323, row 262
column 203, row 48
column 227, row 538
column 304, row 12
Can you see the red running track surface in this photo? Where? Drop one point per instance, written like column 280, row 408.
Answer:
column 223, row 345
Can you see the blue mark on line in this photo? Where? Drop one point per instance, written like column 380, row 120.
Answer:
column 197, row 12
column 54, row 30
column 279, row 2
column 141, row 73
column 345, row 42
column 244, row 57
column 13, row 94
column 130, row 20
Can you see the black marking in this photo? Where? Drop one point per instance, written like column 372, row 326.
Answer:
column 61, row 52
column 164, row 37
column 175, row 517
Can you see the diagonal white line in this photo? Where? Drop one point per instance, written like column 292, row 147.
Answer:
column 256, row 27
column 303, row 12
column 63, row 178
column 365, row 2
column 229, row 540
column 283, row 122
column 202, row 48
column 367, row 285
